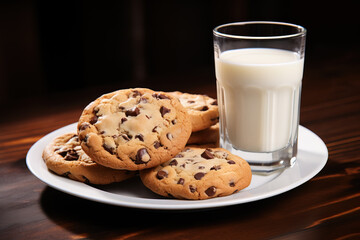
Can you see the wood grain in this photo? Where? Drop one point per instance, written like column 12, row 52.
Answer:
column 326, row 207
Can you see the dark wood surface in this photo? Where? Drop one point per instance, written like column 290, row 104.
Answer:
column 326, row 207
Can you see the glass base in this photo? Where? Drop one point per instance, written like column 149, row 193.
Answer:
column 266, row 161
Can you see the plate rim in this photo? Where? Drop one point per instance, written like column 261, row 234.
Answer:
column 98, row 195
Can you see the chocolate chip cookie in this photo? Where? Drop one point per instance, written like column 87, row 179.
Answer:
column 134, row 129
column 65, row 157
column 197, row 173
column 202, row 109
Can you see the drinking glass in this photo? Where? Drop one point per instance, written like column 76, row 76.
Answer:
column 259, row 70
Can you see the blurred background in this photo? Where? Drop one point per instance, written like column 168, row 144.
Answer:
column 58, row 52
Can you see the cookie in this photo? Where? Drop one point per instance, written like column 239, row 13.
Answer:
column 206, row 136
column 134, row 129
column 65, row 157
column 203, row 110
column 198, row 173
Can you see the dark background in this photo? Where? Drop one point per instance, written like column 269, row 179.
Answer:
column 73, row 51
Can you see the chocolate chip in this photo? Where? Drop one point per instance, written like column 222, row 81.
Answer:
column 141, row 155
column 108, row 148
column 157, row 144
column 121, row 108
column 230, row 162
column 164, row 110
column 136, row 93
column 173, row 162
column 66, row 174
column 169, row 136
column 140, row 137
column 182, row 165
column 160, row 96
column 202, row 167
column 205, row 108
column 218, row 167
column 174, row 121
column 215, row 103
column 126, row 137
column 181, row 181
column 179, row 155
column 199, row 175
column 210, row 191
column 207, row 154
column 102, row 132
column 147, row 117
column 192, row 188
column 143, row 100
column 154, row 129
column 71, row 155
column 83, row 126
column 93, row 120
column 231, row 184
column 161, row 174
column 63, row 154
column 123, row 120
column 132, row 112
column 191, row 101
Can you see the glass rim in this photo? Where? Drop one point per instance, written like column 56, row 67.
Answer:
column 216, row 32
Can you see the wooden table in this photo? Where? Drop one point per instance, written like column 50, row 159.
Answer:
column 326, row 207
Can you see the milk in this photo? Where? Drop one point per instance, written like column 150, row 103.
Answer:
column 259, row 89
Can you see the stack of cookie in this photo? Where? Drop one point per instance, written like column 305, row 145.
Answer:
column 204, row 115
column 133, row 130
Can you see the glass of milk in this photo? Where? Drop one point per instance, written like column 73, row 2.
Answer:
column 259, row 70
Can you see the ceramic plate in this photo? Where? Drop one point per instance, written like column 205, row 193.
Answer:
column 312, row 157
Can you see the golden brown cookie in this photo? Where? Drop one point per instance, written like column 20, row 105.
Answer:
column 203, row 110
column 65, row 157
column 198, row 173
column 206, row 136
column 134, row 129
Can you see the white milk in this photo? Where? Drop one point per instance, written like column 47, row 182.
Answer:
column 259, row 89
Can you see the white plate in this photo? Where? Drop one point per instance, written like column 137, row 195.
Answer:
column 312, row 157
